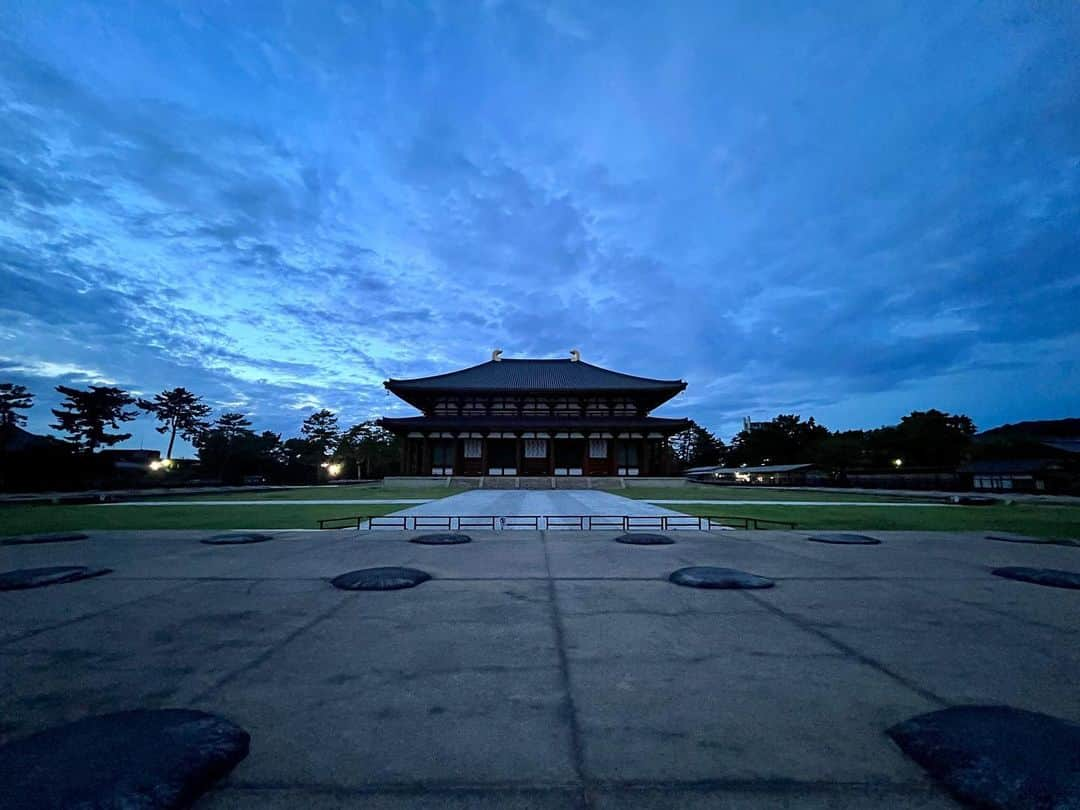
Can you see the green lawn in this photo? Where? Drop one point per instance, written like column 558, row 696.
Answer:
column 47, row 518
column 325, row 493
column 708, row 492
column 1030, row 519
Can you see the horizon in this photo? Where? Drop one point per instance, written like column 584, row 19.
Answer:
column 849, row 214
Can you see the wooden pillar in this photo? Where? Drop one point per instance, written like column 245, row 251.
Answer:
column 551, row 454
column 483, row 456
column 518, row 455
column 425, row 458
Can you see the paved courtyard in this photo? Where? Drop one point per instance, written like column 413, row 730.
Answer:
column 506, row 502
column 545, row 670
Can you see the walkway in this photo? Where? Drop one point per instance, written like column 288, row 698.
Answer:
column 504, row 503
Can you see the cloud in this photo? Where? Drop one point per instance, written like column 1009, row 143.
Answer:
column 281, row 210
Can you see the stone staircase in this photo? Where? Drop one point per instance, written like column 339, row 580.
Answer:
column 546, row 482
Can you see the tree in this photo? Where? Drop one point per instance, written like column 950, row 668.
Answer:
column 180, row 412
column 369, row 449
column 840, row 451
column 697, row 447
column 232, row 426
column 321, row 432
column 85, row 415
column 13, row 398
column 784, row 440
column 934, row 439
column 233, row 450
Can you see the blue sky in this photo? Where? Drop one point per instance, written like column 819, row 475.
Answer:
column 849, row 212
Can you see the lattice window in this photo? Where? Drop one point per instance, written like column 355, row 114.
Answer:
column 536, row 448
column 446, row 406
column 598, row 407
column 567, row 407
column 503, row 407
column 597, row 448
column 536, row 407
column 474, row 407
column 473, row 448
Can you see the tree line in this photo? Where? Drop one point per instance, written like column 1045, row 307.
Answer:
column 922, row 439
column 229, row 450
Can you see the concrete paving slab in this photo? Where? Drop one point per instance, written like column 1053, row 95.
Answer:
column 162, row 651
column 411, row 685
column 399, row 798
column 1048, row 607
column 552, row 669
column 780, row 796
column 33, row 611
column 595, row 554
column 959, row 653
column 738, row 715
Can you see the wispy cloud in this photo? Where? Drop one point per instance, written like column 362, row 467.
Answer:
column 851, row 214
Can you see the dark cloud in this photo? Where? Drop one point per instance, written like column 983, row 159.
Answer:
column 850, row 215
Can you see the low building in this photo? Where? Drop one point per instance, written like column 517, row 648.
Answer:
column 797, row 475
column 1017, row 475
column 535, row 417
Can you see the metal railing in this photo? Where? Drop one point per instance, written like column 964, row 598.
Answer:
column 579, row 523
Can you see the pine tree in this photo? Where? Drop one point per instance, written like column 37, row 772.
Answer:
column 85, row 415
column 13, row 398
column 180, row 413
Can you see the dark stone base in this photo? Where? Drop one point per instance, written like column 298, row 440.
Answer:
column 24, row 578
column 34, row 539
column 1049, row 577
column 718, row 578
column 236, row 539
column 844, row 539
column 996, row 756
column 380, row 579
column 441, row 539
column 644, row 539
column 137, row 759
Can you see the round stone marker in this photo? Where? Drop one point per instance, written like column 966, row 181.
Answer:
column 997, row 756
column 844, row 539
column 389, row 578
column 236, row 539
column 139, row 759
column 718, row 578
column 644, row 539
column 33, row 539
column 443, row 539
column 24, row 578
column 1050, row 577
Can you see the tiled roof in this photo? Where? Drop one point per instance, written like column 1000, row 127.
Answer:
column 481, row 424
column 535, row 375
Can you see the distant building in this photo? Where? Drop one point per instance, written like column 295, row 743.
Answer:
column 798, row 475
column 534, row 417
column 1018, row 475
column 750, row 426
column 131, row 460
